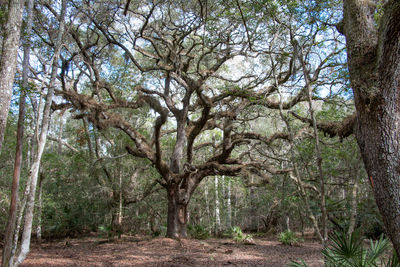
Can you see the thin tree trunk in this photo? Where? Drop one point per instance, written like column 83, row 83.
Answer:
column 60, row 133
column 217, row 210
column 353, row 207
column 39, row 212
column 306, row 201
column 301, row 221
column 208, row 213
column 296, row 174
column 284, row 206
column 9, row 245
column 235, row 214
column 89, row 141
column 34, row 140
column 324, row 215
column 34, row 171
column 12, row 219
column 120, row 210
column 117, row 224
column 8, row 59
column 287, row 222
column 28, row 153
column 252, row 209
column 229, row 206
column 222, row 201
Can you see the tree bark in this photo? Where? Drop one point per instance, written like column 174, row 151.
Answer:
column 9, row 234
column 9, row 245
column 373, row 57
column 8, row 60
column 177, row 213
column 39, row 212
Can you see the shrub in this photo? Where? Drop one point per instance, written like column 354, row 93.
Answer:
column 105, row 230
column 348, row 251
column 238, row 235
column 198, row 231
column 289, row 238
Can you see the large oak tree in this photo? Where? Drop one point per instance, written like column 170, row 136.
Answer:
column 179, row 53
column 373, row 54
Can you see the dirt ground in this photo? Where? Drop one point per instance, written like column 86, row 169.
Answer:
column 143, row 251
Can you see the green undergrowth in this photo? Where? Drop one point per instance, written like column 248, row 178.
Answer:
column 350, row 251
column 289, row 238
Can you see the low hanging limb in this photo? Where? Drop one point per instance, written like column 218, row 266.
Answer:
column 343, row 129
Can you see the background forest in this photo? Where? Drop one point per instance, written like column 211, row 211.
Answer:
column 79, row 196
column 184, row 118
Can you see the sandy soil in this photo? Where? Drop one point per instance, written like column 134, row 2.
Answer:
column 143, row 251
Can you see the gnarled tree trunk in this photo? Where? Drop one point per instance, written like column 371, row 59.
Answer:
column 178, row 215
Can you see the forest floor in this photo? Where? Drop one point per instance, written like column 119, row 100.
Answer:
column 145, row 251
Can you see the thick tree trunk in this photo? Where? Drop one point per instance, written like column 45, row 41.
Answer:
column 178, row 215
column 8, row 60
column 379, row 143
column 374, row 65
